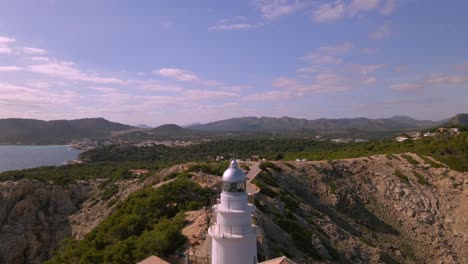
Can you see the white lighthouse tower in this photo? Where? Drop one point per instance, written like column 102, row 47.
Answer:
column 234, row 239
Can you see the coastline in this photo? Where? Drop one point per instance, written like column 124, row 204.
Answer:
column 19, row 157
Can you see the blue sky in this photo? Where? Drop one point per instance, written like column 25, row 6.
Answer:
column 157, row 62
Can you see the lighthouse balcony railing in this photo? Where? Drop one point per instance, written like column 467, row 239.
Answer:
column 232, row 231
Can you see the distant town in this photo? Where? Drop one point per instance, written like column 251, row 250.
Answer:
column 417, row 135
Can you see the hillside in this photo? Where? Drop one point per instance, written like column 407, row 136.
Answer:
column 383, row 208
column 284, row 124
column 379, row 209
column 169, row 129
column 460, row 119
column 31, row 131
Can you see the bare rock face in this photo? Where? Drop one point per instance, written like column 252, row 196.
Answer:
column 378, row 209
column 34, row 218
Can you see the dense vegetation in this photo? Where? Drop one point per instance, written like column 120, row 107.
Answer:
column 67, row 174
column 148, row 223
column 114, row 162
column 452, row 150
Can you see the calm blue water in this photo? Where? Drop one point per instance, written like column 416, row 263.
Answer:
column 23, row 157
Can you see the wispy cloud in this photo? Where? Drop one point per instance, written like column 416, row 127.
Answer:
column 329, row 12
column 267, row 96
column 328, row 54
column 103, row 89
column 22, row 97
column 271, row 9
column 185, row 76
column 388, row 7
column 177, row 74
column 357, row 6
column 366, row 69
column 406, row 86
column 33, row 51
column 10, row 68
column 40, row 59
column 156, row 86
column 435, row 79
column 462, row 67
column 68, row 70
column 5, row 49
column 235, row 23
column 382, row 32
column 332, row 11
column 4, row 40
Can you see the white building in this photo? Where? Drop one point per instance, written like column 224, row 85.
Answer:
column 429, row 134
column 234, row 237
column 401, row 139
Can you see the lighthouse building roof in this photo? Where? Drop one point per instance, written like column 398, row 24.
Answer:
column 233, row 173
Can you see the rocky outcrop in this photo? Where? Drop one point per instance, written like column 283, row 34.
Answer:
column 379, row 209
column 34, row 218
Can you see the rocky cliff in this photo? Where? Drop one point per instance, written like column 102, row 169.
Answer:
column 379, row 209
column 34, row 218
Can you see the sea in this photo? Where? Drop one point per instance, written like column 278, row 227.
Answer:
column 24, row 157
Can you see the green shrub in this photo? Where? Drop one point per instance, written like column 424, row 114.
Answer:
column 268, row 192
column 148, row 222
column 268, row 179
column 289, row 202
column 110, row 191
column 333, row 188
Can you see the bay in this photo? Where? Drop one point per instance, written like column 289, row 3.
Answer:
column 24, row 157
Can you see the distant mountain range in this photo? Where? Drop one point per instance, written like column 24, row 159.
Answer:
column 285, row 124
column 31, row 131
column 143, row 126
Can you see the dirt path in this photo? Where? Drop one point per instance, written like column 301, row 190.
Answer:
column 253, row 172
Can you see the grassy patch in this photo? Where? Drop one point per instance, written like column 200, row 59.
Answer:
column 392, row 157
column 110, row 191
column 410, row 159
column 431, row 162
column 401, row 176
column 266, row 164
column 420, row 178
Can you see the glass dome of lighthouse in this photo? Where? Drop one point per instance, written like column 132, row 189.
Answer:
column 234, row 179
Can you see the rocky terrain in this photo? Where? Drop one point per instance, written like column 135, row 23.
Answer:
column 36, row 216
column 378, row 209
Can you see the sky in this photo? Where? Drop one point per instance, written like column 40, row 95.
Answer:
column 156, row 62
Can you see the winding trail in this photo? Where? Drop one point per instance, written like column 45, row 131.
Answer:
column 252, row 189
